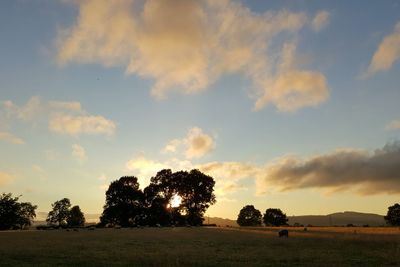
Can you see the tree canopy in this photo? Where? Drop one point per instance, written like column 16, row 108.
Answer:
column 14, row 214
column 274, row 217
column 60, row 212
column 127, row 205
column 393, row 215
column 124, row 203
column 249, row 216
column 75, row 217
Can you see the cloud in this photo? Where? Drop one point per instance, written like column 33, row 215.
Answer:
column 320, row 21
column 80, row 124
column 198, row 143
column 184, row 46
column 395, row 124
column 79, row 153
column 387, row 54
column 30, row 110
column 63, row 117
column 343, row 170
column 73, row 106
column 291, row 88
column 172, row 146
column 6, row 178
column 9, row 137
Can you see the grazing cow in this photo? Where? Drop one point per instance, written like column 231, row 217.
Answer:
column 283, row 232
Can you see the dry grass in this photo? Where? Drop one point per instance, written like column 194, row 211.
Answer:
column 323, row 246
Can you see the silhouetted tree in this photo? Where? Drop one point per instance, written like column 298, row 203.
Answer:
column 274, row 217
column 75, row 217
column 249, row 216
column 14, row 214
column 195, row 189
column 59, row 213
column 124, row 203
column 393, row 215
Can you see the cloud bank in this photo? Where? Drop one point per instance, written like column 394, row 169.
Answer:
column 343, row 170
column 185, row 46
column 357, row 171
column 387, row 53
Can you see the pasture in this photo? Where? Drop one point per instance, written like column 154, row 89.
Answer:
column 324, row 246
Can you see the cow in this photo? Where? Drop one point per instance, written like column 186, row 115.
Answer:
column 283, row 232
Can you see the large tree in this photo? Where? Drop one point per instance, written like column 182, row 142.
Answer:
column 393, row 215
column 274, row 217
column 14, row 214
column 194, row 188
column 124, row 203
column 60, row 212
column 75, row 217
column 249, row 216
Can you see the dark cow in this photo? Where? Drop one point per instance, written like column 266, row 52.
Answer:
column 283, row 232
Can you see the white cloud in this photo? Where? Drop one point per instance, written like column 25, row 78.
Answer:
column 79, row 153
column 395, row 124
column 6, row 178
column 172, row 146
column 292, row 88
column 387, row 54
column 196, row 144
column 320, row 21
column 185, row 46
column 80, row 124
column 9, row 137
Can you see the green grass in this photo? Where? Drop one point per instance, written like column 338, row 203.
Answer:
column 197, row 247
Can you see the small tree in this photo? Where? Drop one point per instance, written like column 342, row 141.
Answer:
column 274, row 217
column 59, row 213
column 75, row 217
column 393, row 215
column 249, row 216
column 14, row 214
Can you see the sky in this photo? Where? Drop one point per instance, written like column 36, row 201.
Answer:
column 286, row 104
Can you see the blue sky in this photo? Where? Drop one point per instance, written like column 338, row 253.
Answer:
column 285, row 103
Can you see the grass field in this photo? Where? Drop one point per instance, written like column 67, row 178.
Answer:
column 323, row 246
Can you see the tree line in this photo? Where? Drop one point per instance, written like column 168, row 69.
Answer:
column 171, row 198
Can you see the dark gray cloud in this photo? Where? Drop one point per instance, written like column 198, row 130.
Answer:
column 354, row 170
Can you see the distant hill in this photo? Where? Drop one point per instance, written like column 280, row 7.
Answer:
column 334, row 219
column 339, row 218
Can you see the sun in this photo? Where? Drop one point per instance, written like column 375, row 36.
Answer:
column 175, row 201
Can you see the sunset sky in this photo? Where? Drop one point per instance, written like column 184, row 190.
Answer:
column 287, row 104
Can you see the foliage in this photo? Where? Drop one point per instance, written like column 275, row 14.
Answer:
column 14, row 214
column 124, row 203
column 75, row 217
column 393, row 215
column 274, row 217
column 127, row 205
column 195, row 189
column 59, row 213
column 249, row 216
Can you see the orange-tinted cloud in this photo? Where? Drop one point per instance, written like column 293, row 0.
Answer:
column 185, row 46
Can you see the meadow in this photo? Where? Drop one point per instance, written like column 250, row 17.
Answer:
column 201, row 246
